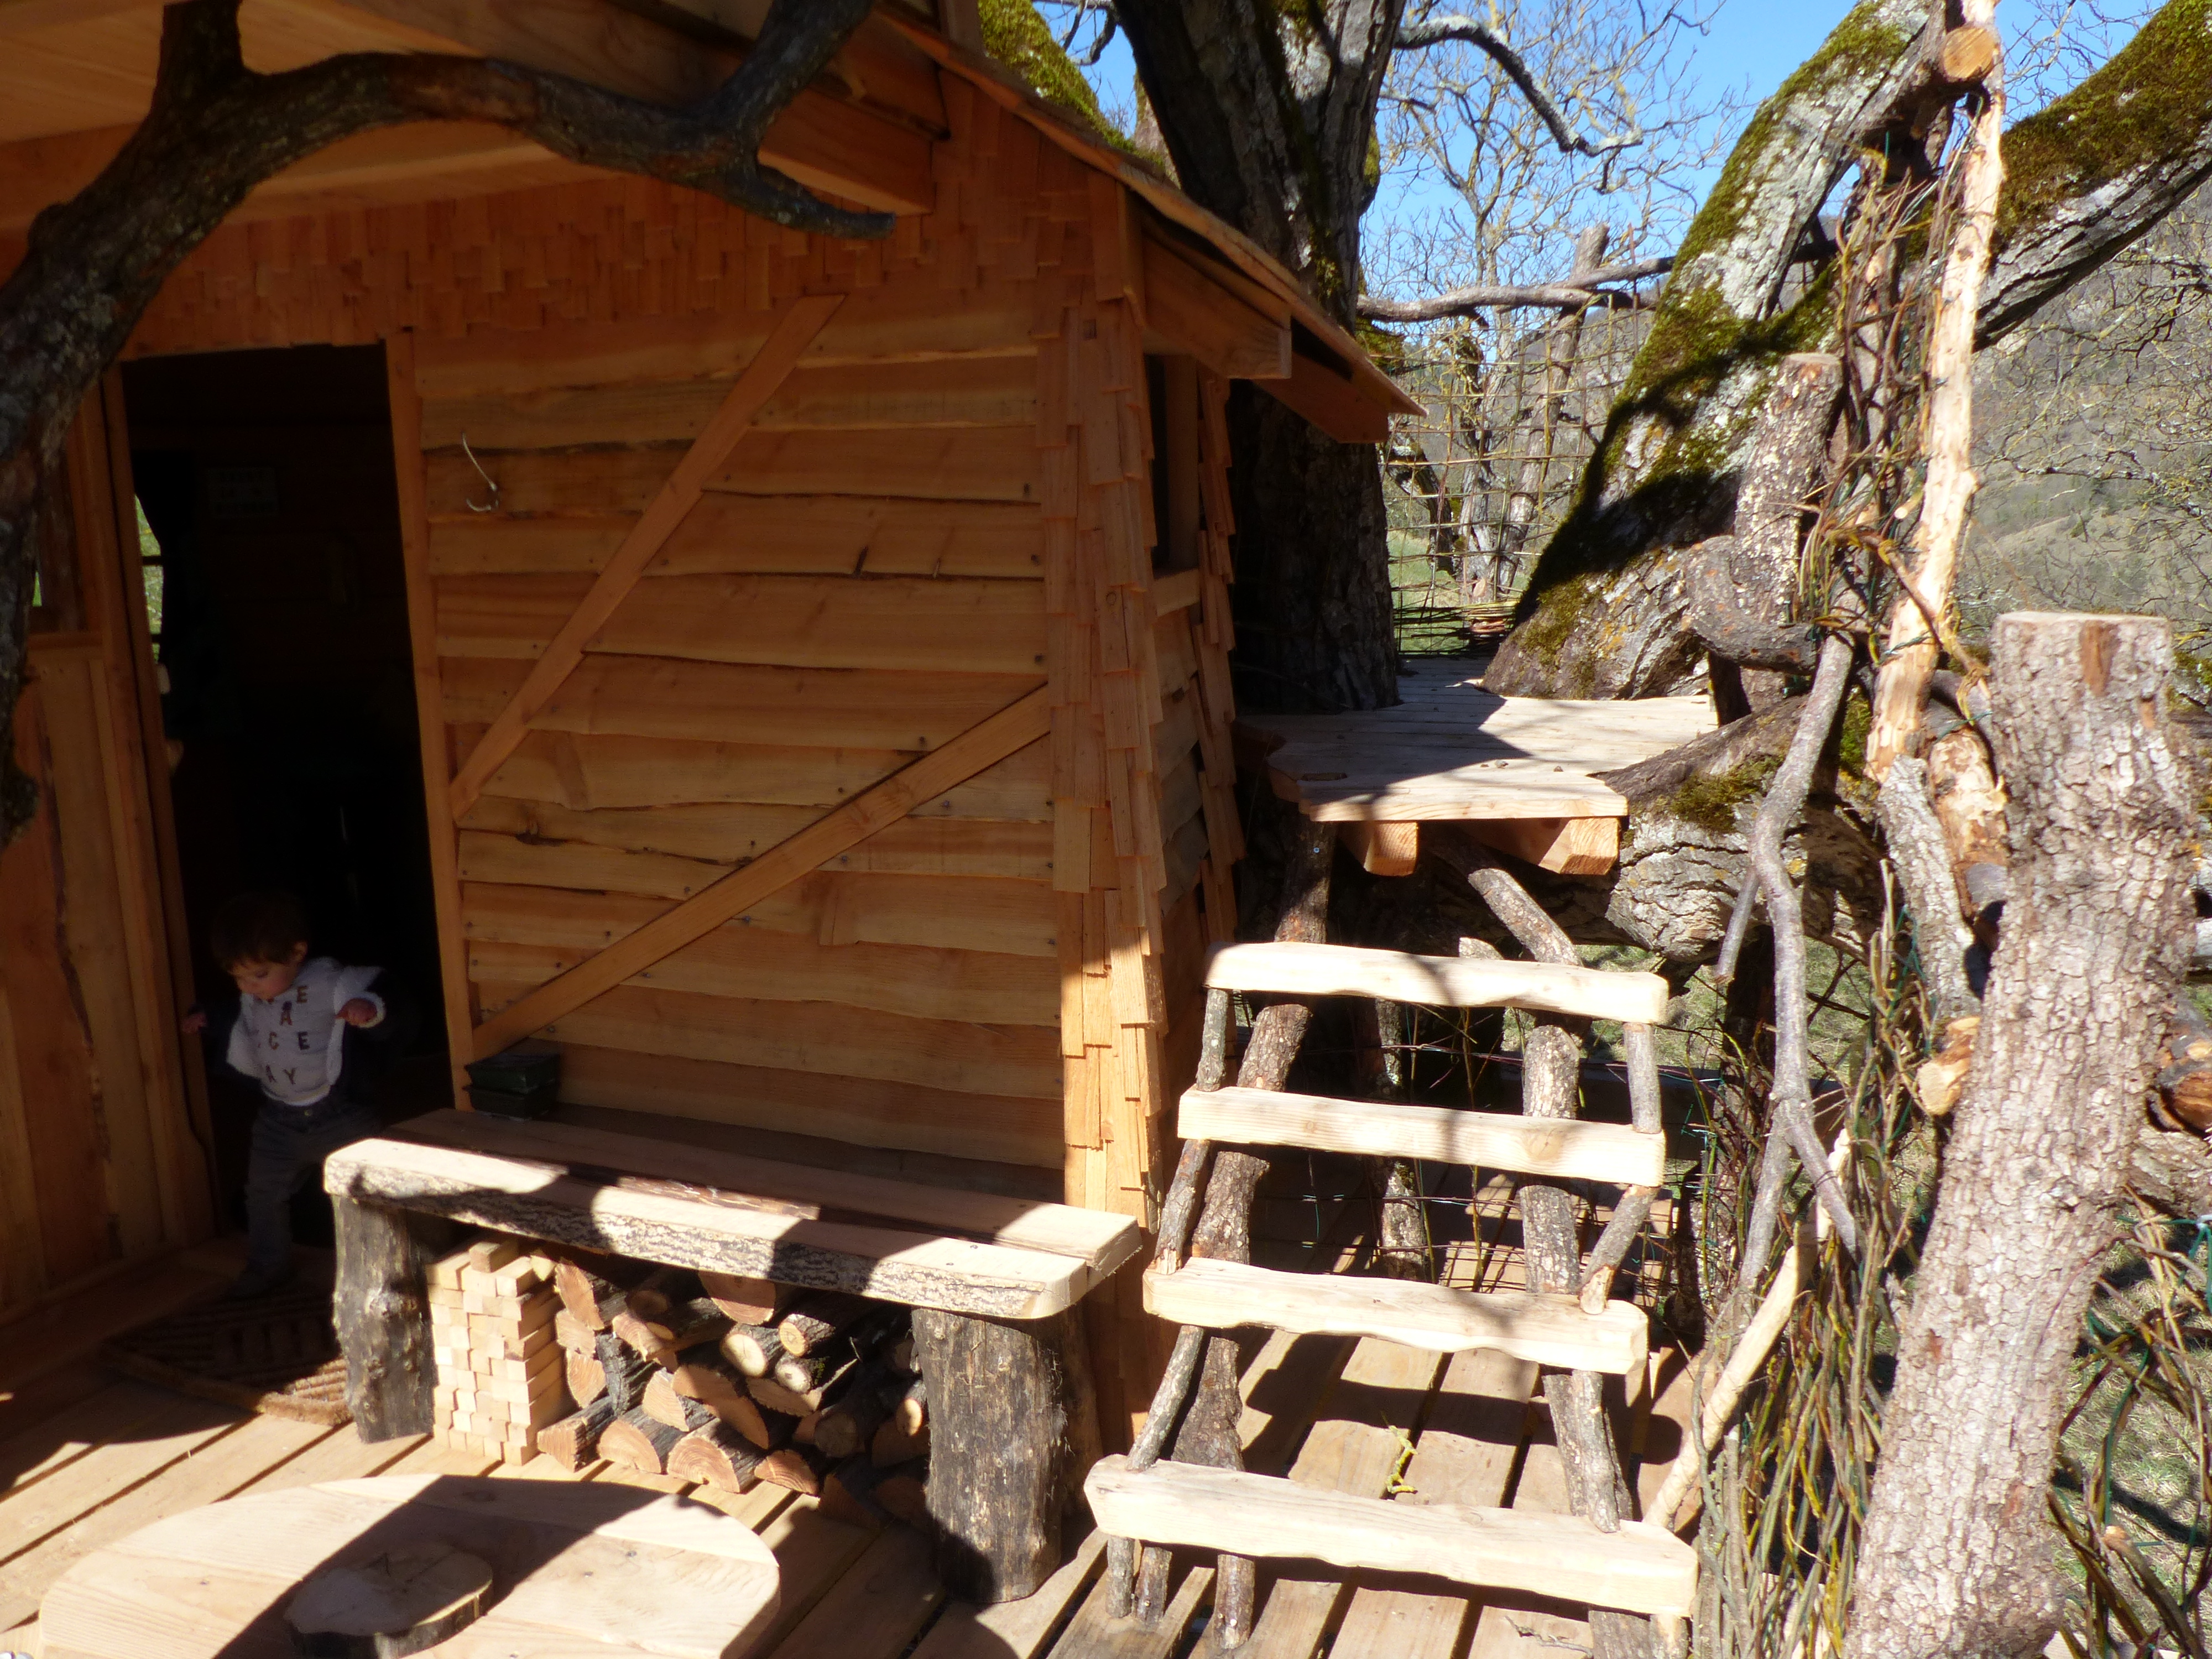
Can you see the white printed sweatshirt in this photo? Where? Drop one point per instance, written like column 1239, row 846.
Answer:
column 291, row 1043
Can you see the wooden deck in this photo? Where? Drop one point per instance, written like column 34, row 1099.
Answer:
column 1453, row 751
column 87, row 1457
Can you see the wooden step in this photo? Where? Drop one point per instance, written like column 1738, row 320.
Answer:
column 1642, row 1568
column 1551, row 1330
column 1560, row 1147
column 1437, row 982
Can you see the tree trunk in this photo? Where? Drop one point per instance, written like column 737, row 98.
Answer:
column 2085, row 177
column 1955, row 1558
column 1269, row 114
column 382, row 1307
column 1007, row 1401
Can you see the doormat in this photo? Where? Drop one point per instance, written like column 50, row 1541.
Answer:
column 277, row 1353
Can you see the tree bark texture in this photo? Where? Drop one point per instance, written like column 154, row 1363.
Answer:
column 1006, row 1439
column 215, row 129
column 1788, row 452
column 382, row 1307
column 1955, row 1558
column 2094, row 172
column 1269, row 114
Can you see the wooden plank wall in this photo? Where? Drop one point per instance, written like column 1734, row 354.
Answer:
column 944, row 503
column 100, row 1158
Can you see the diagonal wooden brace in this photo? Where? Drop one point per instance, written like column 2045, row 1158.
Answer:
column 793, row 332
column 978, row 748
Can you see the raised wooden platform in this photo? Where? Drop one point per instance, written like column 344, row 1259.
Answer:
column 1518, row 769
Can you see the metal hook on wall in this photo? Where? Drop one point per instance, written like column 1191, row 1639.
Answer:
column 491, row 483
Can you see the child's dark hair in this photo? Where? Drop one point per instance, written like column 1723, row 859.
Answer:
column 257, row 928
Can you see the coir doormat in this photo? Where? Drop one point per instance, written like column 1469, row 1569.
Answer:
column 277, row 1353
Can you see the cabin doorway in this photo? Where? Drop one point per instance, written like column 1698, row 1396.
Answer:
column 276, row 602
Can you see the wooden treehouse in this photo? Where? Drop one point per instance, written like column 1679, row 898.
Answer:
column 788, row 678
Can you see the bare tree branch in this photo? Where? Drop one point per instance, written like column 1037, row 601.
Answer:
column 1565, row 294
column 1434, row 30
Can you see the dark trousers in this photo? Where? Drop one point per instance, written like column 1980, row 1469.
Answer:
column 289, row 1144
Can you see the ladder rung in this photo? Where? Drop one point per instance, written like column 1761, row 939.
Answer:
column 1551, row 1330
column 1561, row 1147
column 1642, row 1568
column 1437, row 982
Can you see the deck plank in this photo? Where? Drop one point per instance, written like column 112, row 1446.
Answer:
column 107, row 1414
column 812, row 1553
column 1097, row 1634
column 1465, row 1455
column 875, row 1607
column 1354, row 1446
column 46, row 1395
column 179, row 1428
column 343, row 1456
column 1014, row 1630
column 70, row 1329
column 1515, row 1627
column 219, row 1467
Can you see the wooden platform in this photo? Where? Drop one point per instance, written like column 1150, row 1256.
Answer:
column 1453, row 751
column 87, row 1457
column 1516, row 773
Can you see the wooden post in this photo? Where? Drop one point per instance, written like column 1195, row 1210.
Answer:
column 1909, row 657
column 1013, row 1433
column 382, row 1310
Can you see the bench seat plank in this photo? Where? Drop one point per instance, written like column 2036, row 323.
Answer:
column 890, row 1264
column 1102, row 1240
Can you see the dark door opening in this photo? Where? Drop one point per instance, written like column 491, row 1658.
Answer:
column 276, row 593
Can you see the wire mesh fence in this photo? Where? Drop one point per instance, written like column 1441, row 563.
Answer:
column 1474, row 484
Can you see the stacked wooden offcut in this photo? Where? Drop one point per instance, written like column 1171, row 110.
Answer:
column 730, row 1381
column 500, row 1379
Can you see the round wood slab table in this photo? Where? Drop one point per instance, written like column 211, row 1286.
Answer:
column 580, row 1571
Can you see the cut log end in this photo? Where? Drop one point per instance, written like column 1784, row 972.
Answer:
column 404, row 1601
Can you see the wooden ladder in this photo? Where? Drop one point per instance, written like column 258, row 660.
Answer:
column 1633, row 1567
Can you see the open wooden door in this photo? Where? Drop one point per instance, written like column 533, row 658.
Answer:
column 102, row 1115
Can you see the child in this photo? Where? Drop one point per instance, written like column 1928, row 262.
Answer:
column 298, row 1032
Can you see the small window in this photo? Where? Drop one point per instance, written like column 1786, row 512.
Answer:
column 1178, row 519
column 156, row 574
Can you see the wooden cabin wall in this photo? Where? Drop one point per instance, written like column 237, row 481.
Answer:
column 102, row 1157
column 944, row 503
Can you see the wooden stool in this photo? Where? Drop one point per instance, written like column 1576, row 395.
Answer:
column 577, row 1568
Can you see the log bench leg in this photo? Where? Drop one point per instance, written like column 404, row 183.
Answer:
column 1013, row 1429
column 382, row 1311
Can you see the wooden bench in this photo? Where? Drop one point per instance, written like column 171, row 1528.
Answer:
column 993, row 1281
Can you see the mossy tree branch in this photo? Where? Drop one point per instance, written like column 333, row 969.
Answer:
column 1606, row 611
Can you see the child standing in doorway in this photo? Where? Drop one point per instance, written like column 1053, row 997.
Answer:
column 298, row 1034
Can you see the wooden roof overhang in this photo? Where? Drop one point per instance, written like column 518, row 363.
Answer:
column 76, row 76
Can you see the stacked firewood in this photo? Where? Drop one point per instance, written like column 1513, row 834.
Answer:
column 499, row 1373
column 731, row 1382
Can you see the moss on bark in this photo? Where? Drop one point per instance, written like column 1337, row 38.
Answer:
column 2126, row 115
column 1016, row 36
